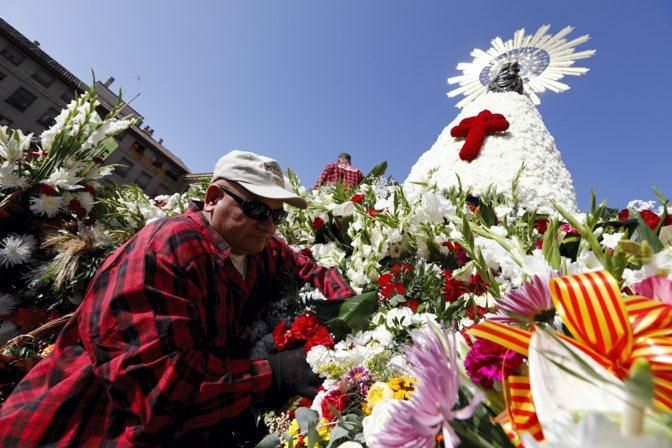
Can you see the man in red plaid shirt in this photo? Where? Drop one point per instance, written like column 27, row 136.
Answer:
column 340, row 171
column 155, row 354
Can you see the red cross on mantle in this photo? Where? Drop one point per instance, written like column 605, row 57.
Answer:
column 475, row 129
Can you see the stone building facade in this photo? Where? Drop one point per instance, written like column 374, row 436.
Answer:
column 34, row 88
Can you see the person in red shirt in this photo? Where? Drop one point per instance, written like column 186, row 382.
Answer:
column 340, row 171
column 155, row 355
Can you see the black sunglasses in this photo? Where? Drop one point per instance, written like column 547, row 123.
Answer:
column 257, row 210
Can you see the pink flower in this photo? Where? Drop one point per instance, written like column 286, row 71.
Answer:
column 431, row 409
column 657, row 287
column 488, row 362
column 530, row 303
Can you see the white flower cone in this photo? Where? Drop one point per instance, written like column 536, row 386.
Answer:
column 527, row 140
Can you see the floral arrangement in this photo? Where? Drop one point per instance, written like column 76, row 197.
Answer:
column 473, row 313
column 461, row 284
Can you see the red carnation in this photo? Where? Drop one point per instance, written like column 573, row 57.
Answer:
column 89, row 189
column 321, row 337
column 49, row 190
column 318, row 223
column 413, row 304
column 305, row 326
column 651, row 219
column 623, row 214
column 358, row 198
column 336, row 400
column 541, row 225
column 452, row 288
column 306, row 252
column 387, row 286
column 478, row 311
column 569, row 230
column 280, row 334
column 77, row 208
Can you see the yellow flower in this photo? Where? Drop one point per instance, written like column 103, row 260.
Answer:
column 377, row 392
column 294, row 431
column 402, row 386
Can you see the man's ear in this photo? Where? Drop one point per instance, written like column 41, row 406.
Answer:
column 212, row 195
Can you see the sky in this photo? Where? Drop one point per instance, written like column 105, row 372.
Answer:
column 303, row 80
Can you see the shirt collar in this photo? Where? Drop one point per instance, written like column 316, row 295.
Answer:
column 195, row 211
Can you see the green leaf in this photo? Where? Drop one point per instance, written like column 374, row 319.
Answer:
column 354, row 314
column 377, row 171
column 640, row 382
column 270, row 441
column 644, row 233
column 487, row 214
column 308, row 420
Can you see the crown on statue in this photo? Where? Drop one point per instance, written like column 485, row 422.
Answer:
column 538, row 60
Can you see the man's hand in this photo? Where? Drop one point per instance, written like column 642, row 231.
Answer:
column 292, row 375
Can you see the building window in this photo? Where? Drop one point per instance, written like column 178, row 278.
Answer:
column 13, row 55
column 4, row 121
column 43, row 78
column 157, row 161
column 21, row 99
column 123, row 167
column 172, row 174
column 68, row 96
column 138, row 148
column 48, row 118
column 143, row 180
column 120, row 136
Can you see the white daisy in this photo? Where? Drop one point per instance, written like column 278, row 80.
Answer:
column 7, row 304
column 46, row 205
column 16, row 249
column 86, row 200
column 7, row 331
column 10, row 179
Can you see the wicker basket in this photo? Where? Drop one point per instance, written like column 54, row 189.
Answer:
column 51, row 328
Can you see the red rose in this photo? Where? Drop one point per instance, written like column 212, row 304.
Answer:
column 358, row 198
column 336, row 400
column 318, row 223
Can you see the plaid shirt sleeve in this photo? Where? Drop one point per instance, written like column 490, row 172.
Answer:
column 147, row 339
column 326, row 176
column 329, row 281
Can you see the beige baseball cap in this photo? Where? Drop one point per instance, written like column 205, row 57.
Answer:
column 259, row 174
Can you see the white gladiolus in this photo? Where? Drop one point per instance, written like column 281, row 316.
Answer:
column 13, row 145
column 328, row 255
column 62, row 179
